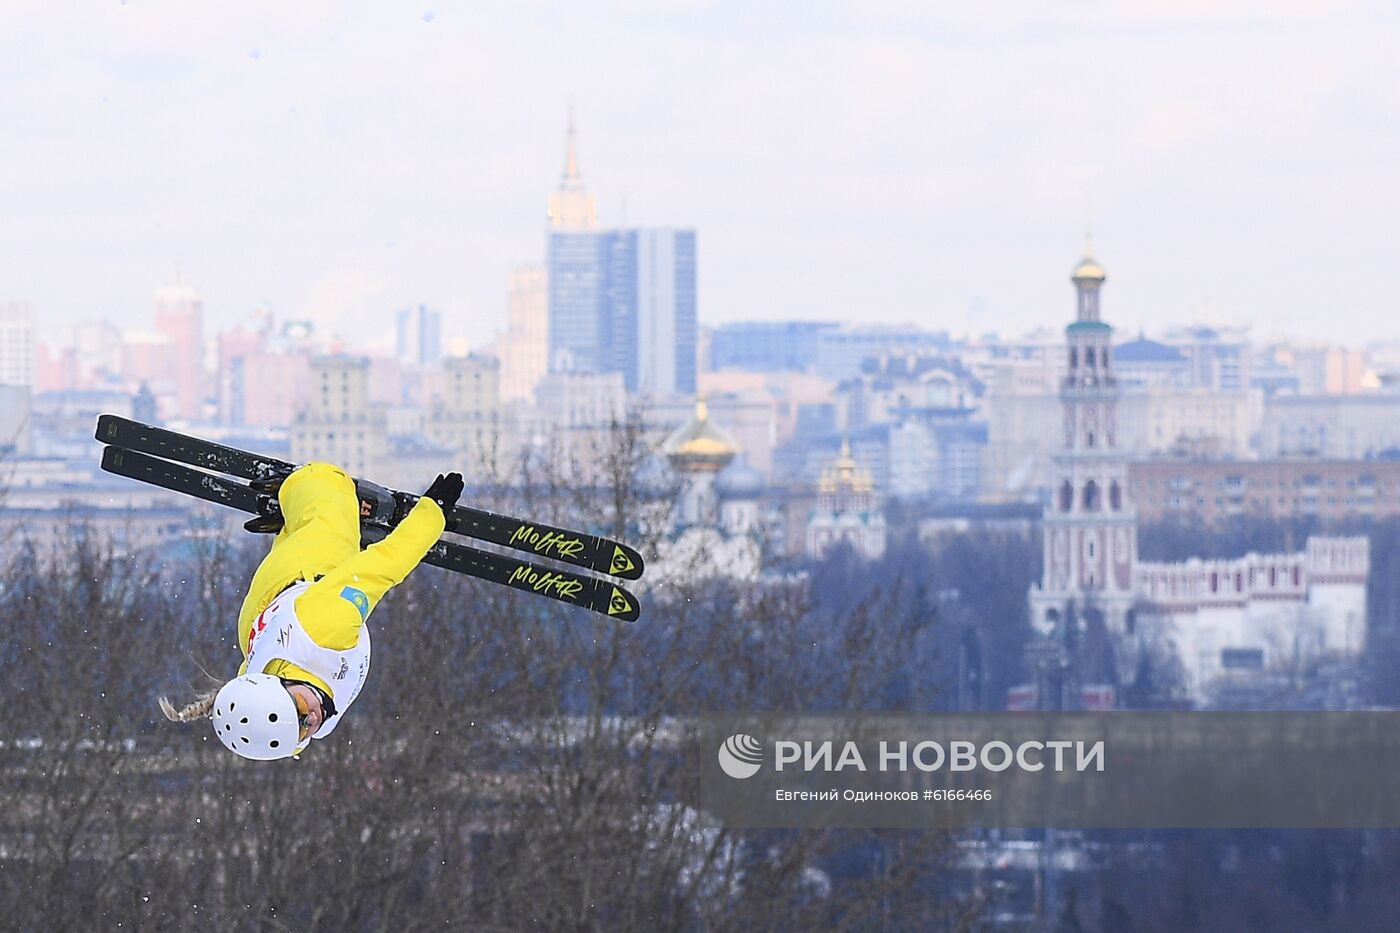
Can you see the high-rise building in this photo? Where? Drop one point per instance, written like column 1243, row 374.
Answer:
column 338, row 425
column 1089, row 527
column 266, row 390
column 16, row 344
column 232, row 347
column 580, row 332
column 466, row 417
column 625, row 301
column 180, row 317
column 1217, row 358
column 419, row 336
column 622, row 300
column 525, row 349
column 661, row 312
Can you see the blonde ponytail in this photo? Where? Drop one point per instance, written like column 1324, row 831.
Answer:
column 199, row 709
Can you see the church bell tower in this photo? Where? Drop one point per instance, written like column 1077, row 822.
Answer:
column 1089, row 526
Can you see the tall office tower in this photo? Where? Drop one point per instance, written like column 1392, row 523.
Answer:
column 574, row 271
column 525, row 349
column 665, row 329
column 620, row 301
column 419, row 336
column 180, row 316
column 16, row 344
column 624, row 301
column 1090, row 526
column 580, row 339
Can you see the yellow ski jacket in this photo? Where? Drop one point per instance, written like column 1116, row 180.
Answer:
column 320, row 541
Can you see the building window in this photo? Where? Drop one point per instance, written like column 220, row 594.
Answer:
column 1091, row 496
column 1248, row 659
column 1115, row 496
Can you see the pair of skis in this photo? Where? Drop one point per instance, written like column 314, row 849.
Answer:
column 168, row 459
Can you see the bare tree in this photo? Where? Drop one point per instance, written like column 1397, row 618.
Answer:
column 513, row 762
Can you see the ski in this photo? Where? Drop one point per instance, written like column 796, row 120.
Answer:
column 603, row 555
column 592, row 593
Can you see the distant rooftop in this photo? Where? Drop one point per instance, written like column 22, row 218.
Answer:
column 1143, row 350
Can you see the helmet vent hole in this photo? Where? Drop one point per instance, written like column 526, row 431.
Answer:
column 231, row 706
column 244, row 720
column 273, row 743
column 271, row 717
column 243, row 739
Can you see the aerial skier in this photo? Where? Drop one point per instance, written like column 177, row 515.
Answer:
column 302, row 631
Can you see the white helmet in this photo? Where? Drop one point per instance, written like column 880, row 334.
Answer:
column 255, row 717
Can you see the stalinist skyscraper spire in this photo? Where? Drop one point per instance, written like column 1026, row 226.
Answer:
column 571, row 207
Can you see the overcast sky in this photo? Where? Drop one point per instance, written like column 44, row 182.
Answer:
column 859, row 161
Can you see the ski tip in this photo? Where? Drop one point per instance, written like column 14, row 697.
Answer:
column 625, row 563
column 106, row 428
column 623, row 606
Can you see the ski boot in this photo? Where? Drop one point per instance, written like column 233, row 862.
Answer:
column 378, row 505
column 269, row 520
column 266, row 523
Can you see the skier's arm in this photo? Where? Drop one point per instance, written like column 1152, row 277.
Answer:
column 334, row 607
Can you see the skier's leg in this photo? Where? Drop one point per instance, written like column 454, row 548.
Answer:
column 322, row 531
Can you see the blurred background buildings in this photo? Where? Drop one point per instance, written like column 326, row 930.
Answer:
column 835, row 434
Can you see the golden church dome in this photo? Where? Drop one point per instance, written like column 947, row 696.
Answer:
column 1088, row 269
column 700, row 445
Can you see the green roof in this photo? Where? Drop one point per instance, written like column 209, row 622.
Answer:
column 1090, row 326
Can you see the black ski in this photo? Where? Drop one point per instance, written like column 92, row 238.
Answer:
column 593, row 593
column 603, row 555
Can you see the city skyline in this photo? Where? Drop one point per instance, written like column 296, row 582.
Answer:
column 877, row 165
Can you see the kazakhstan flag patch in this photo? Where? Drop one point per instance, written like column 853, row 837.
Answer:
column 358, row 599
